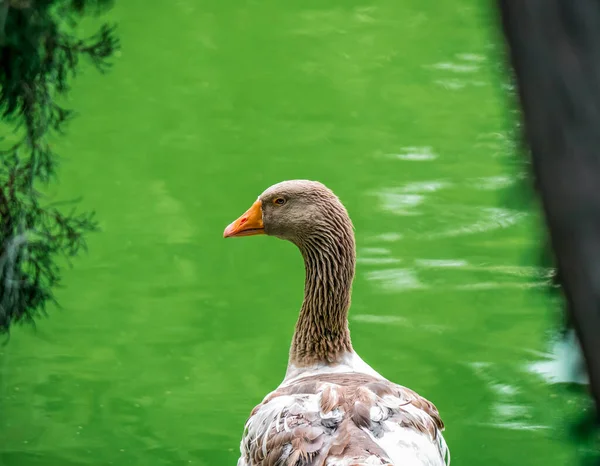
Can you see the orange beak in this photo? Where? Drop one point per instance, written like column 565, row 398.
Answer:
column 249, row 224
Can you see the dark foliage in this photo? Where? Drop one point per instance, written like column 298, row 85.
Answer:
column 39, row 55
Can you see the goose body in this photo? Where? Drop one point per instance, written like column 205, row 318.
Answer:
column 331, row 409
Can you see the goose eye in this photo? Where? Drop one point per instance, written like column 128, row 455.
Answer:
column 279, row 201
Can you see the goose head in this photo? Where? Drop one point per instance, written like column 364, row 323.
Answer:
column 295, row 210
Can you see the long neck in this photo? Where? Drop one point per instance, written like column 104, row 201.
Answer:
column 322, row 334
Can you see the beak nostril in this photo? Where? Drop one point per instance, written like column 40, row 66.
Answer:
column 248, row 224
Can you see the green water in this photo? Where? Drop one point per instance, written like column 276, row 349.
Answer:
column 170, row 335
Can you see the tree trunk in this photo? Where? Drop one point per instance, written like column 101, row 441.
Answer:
column 554, row 48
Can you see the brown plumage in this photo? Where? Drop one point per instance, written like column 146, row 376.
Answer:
column 332, row 409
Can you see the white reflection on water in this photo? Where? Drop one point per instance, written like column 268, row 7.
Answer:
column 472, row 57
column 401, row 204
column 375, row 251
column 391, row 237
column 542, row 273
column 424, row 186
column 398, row 321
column 402, row 279
column 490, row 218
column 456, row 67
column 415, row 154
column 440, row 263
column 405, row 199
column 413, row 199
column 507, row 412
column 564, row 363
column 396, row 279
column 492, row 183
column 451, row 84
column 466, row 64
column 373, row 319
column 519, row 270
column 375, row 256
column 455, row 84
column 497, row 286
column 377, row 260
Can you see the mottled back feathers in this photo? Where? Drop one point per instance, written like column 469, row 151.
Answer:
column 343, row 419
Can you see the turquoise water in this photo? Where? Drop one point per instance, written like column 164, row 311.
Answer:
column 169, row 335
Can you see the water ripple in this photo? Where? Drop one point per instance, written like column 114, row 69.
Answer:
column 493, row 218
column 440, row 263
column 373, row 319
column 390, row 237
column 415, row 154
column 563, row 364
column 472, row 57
column 401, row 204
column 493, row 183
column 404, row 199
column 455, row 67
column 507, row 411
column 396, row 279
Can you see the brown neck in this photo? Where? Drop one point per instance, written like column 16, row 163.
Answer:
column 322, row 334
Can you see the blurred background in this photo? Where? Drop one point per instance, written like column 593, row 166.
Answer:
column 168, row 335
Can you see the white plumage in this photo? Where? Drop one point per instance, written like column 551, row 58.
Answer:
column 343, row 418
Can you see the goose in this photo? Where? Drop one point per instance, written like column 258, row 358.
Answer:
column 332, row 408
